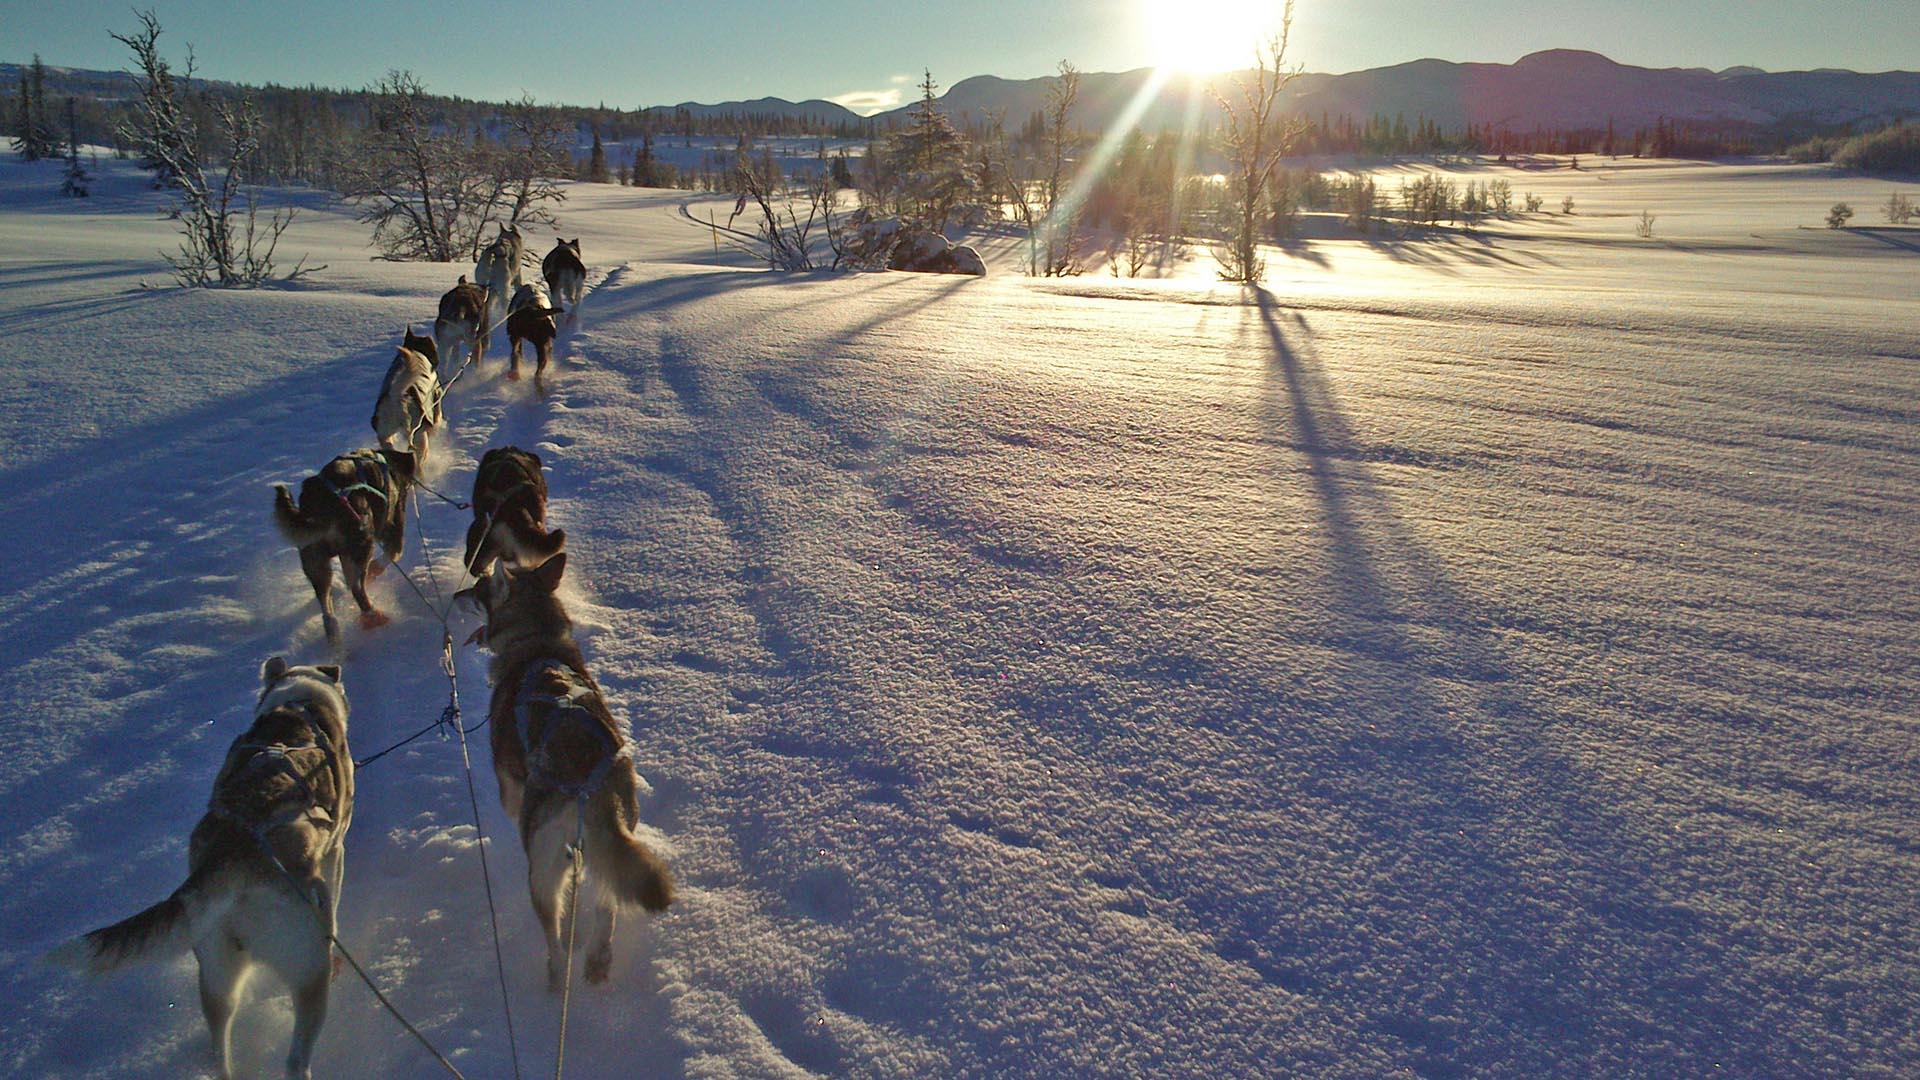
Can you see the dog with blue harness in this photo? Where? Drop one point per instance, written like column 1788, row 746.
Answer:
column 356, row 500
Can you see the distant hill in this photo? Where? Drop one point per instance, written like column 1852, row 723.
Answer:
column 826, row 112
column 1559, row 88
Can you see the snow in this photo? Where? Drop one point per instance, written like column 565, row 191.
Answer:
column 1477, row 656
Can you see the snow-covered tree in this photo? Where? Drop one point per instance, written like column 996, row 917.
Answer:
column 428, row 192
column 223, row 239
column 930, row 157
column 34, row 137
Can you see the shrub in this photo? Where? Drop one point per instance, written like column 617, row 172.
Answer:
column 1534, row 203
column 1644, row 228
column 1899, row 209
column 1838, row 216
column 1894, row 149
column 1566, row 205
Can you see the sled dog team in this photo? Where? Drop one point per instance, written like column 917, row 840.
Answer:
column 267, row 861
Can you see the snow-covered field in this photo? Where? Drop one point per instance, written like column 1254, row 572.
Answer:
column 1475, row 657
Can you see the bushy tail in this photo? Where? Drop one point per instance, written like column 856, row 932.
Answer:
column 162, row 930
column 299, row 527
column 635, row 874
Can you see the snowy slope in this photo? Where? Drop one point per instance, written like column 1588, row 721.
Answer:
column 1480, row 657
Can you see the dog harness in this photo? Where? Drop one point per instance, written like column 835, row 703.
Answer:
column 527, row 476
column 569, row 706
column 269, row 758
column 367, row 467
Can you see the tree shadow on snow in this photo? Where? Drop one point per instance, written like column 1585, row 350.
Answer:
column 1527, row 929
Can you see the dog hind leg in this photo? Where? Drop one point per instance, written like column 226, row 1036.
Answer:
column 600, row 935
column 549, row 871
column 223, row 968
column 318, row 564
column 309, row 1013
column 354, row 563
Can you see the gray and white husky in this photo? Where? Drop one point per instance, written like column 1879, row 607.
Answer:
column 498, row 271
column 559, row 755
column 265, row 865
column 409, row 405
column 566, row 275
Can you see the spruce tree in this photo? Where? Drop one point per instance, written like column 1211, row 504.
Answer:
column 77, row 179
column 597, row 162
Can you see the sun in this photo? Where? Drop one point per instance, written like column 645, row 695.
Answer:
column 1205, row 36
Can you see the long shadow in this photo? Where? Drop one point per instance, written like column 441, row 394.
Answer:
column 1532, row 937
column 1892, row 241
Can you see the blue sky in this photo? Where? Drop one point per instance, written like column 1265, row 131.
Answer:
column 659, row 53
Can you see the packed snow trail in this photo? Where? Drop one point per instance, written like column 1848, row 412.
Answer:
column 1477, row 659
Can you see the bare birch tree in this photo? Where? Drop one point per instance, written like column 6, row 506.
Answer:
column 1255, row 142
column 223, row 239
column 427, row 193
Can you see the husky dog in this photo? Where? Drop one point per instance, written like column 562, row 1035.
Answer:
column 559, row 754
column 461, row 327
column 498, row 271
column 530, row 318
column 510, row 512
column 566, row 275
column 356, row 499
column 409, row 398
column 265, row 865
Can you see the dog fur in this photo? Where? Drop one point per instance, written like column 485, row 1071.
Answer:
column 338, row 517
column 543, row 745
column 498, row 271
column 510, row 513
column 565, row 274
column 286, row 788
column 409, row 405
column 461, row 327
column 531, row 318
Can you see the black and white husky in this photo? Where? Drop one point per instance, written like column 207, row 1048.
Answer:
column 264, row 866
column 566, row 275
column 409, row 405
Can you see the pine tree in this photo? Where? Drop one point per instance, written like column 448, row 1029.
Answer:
column 597, row 162
column 77, row 179
column 932, row 157
column 36, row 138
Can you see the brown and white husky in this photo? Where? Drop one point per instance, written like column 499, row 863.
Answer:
column 510, row 512
column 265, row 866
column 357, row 499
column 564, row 765
column 531, row 318
column 409, row 406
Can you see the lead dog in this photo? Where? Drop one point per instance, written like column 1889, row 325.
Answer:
column 356, row 499
column 265, row 865
column 498, row 271
column 566, row 275
column 461, row 327
column 530, row 318
column 510, row 512
column 409, row 404
column 560, row 756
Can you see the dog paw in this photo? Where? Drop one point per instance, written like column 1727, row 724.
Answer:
column 373, row 620
column 599, row 966
column 513, row 376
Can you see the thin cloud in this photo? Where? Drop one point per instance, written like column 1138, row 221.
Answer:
column 868, row 102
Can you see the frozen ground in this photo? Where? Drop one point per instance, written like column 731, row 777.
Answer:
column 1485, row 657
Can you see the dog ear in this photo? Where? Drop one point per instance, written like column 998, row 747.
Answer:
column 331, row 671
column 547, row 574
column 273, row 669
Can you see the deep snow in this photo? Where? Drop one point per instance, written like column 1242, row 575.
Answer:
column 1480, row 656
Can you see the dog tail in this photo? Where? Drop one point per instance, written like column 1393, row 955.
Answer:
column 634, row 873
column 299, row 527
column 162, row 930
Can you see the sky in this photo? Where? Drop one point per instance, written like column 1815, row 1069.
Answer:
column 869, row 53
